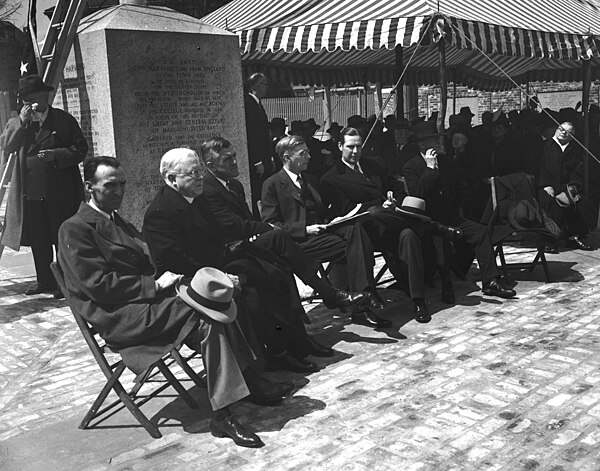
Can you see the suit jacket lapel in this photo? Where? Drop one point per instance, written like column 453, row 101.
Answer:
column 289, row 186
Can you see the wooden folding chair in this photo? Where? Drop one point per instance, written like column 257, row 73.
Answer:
column 536, row 237
column 132, row 400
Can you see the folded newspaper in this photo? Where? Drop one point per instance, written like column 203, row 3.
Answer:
column 353, row 214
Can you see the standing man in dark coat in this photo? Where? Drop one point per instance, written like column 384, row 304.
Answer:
column 257, row 134
column 429, row 175
column 561, row 184
column 46, row 186
column 111, row 282
column 291, row 200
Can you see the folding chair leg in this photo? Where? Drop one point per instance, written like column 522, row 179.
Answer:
column 110, row 384
column 545, row 266
column 198, row 381
column 189, row 400
column 114, row 384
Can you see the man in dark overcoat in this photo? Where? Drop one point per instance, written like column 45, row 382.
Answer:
column 560, row 186
column 430, row 175
column 46, row 186
column 257, row 134
column 110, row 279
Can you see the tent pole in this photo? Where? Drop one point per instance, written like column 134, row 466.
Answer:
column 366, row 100
column 398, row 66
column 327, row 106
column 454, row 97
column 443, row 85
column 585, row 105
column 379, row 98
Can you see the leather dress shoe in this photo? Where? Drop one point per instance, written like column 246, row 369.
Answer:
column 446, row 232
column 318, row 350
column 495, row 288
column 577, row 243
column 264, row 392
column 38, row 288
column 370, row 319
column 343, row 298
column 230, row 427
column 421, row 312
column 375, row 302
column 284, row 361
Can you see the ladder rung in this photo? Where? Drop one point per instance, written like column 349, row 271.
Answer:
column 58, row 25
column 47, row 57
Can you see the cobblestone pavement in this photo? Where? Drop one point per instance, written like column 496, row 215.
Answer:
column 487, row 385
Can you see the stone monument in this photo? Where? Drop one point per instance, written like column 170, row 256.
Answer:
column 142, row 80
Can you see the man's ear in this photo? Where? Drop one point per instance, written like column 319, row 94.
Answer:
column 171, row 178
column 88, row 187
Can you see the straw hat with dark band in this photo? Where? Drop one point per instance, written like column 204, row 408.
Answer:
column 414, row 207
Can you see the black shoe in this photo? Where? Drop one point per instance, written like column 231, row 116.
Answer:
column 446, row 232
column 370, row 319
column 38, row 288
column 343, row 298
column 264, row 392
column 577, row 243
column 375, row 302
column 284, row 361
column 421, row 312
column 495, row 288
column 552, row 249
column 318, row 350
column 230, row 427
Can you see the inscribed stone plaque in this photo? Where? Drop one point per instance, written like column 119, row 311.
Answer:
column 139, row 93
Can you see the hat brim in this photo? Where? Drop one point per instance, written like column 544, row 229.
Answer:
column 224, row 317
column 422, row 217
column 427, row 136
column 25, row 91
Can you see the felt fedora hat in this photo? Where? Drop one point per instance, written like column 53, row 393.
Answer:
column 466, row 110
column 32, row 84
column 425, row 129
column 210, row 292
column 415, row 207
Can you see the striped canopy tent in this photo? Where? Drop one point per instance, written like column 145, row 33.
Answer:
column 338, row 42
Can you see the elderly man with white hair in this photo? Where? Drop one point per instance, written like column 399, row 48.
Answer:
column 183, row 236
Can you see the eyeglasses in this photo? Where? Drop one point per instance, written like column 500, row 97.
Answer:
column 195, row 174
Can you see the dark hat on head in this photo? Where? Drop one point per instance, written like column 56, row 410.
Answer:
column 210, row 292
column 32, row 84
column 425, row 129
column 334, row 128
column 398, row 123
column 296, row 127
column 356, row 121
column 466, row 110
column 568, row 114
column 311, row 123
column 415, row 207
column 500, row 118
column 277, row 123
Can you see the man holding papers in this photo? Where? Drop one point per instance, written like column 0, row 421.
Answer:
column 291, row 200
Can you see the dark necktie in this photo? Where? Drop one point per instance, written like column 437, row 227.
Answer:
column 230, row 189
column 34, row 126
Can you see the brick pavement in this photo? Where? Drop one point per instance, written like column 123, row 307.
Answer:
column 487, row 385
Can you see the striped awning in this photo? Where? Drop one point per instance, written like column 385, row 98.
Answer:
column 352, row 41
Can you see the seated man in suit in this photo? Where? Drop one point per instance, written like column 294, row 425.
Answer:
column 184, row 235
column 359, row 185
column 291, row 200
column 111, row 281
column 429, row 175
